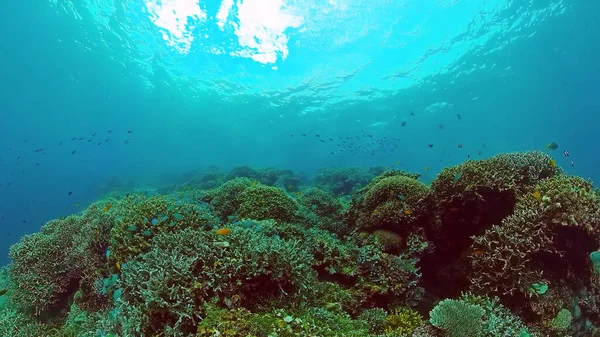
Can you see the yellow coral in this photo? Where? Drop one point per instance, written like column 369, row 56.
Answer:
column 402, row 321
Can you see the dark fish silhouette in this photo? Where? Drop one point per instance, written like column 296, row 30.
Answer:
column 403, row 123
column 73, row 152
column 69, row 193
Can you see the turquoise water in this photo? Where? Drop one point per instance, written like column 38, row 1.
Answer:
column 202, row 85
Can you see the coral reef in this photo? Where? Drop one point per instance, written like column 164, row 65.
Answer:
column 505, row 246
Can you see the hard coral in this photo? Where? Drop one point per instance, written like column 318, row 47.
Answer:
column 226, row 198
column 321, row 202
column 187, row 268
column 141, row 218
column 48, row 267
column 402, row 321
column 457, row 318
column 547, row 239
column 394, row 201
column 261, row 202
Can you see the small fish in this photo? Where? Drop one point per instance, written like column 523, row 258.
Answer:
column 426, row 168
column 537, row 195
column 304, row 134
column 401, row 197
column 223, row 231
column 317, row 135
column 89, row 140
column 126, row 141
column 129, row 131
column 69, row 193
column 477, row 251
column 255, row 182
column 456, row 177
column 407, row 212
column 95, row 134
column 73, row 138
column 441, row 126
column 479, row 152
column 154, row 222
column 109, row 131
column 59, row 144
column 3, row 292
column 24, row 221
column 552, row 146
column 98, row 144
column 412, row 113
column 430, row 145
column 73, row 152
column 106, row 140
column 403, row 123
column 552, row 162
column 460, row 146
column 454, row 209
column 118, row 265
column 566, row 153
column 458, row 116
column 107, row 207
column 291, row 135
column 80, row 138
column 572, row 163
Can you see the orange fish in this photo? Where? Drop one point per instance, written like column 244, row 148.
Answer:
column 107, row 207
column 223, row 231
column 477, row 251
column 407, row 212
column 454, row 209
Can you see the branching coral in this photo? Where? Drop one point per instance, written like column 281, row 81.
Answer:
column 49, row 266
column 547, row 238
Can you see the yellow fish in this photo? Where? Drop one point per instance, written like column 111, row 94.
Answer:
column 289, row 187
column 107, row 207
column 407, row 212
column 76, row 205
column 255, row 182
column 118, row 265
column 552, row 162
column 427, row 168
column 537, row 195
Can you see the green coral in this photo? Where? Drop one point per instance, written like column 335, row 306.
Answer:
column 226, row 198
column 537, row 236
column 394, row 201
column 321, row 203
column 458, row 318
column 138, row 219
column 498, row 321
column 402, row 321
column 47, row 267
column 187, row 268
column 261, row 202
column 562, row 321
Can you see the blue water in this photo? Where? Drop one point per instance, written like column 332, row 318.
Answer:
column 520, row 74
